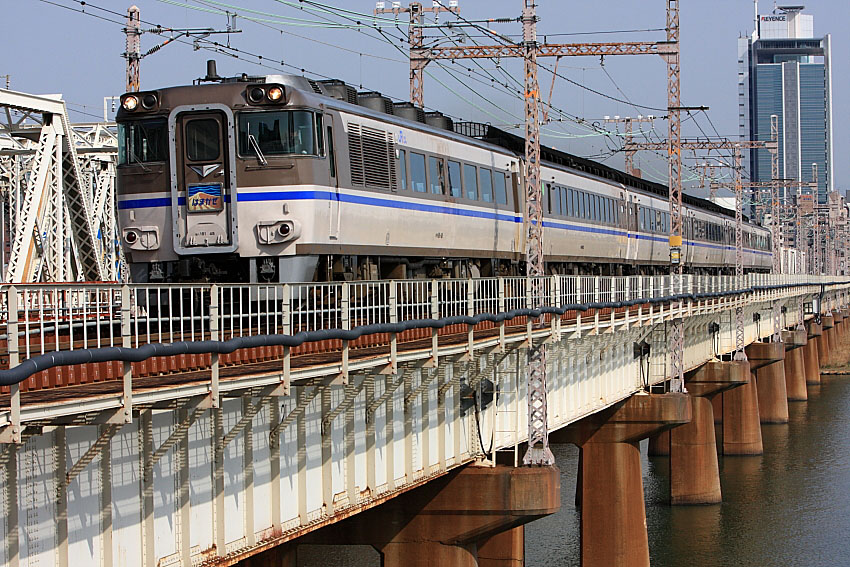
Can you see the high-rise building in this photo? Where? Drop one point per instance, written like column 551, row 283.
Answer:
column 784, row 70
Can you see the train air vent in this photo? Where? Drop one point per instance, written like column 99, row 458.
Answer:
column 315, row 86
column 372, row 157
column 337, row 89
column 375, row 101
column 407, row 110
column 439, row 120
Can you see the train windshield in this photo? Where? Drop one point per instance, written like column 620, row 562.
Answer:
column 288, row 132
column 142, row 141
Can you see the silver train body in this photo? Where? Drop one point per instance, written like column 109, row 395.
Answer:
column 220, row 182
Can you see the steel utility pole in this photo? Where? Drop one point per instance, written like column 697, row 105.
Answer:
column 133, row 32
column 416, row 37
column 629, row 122
column 816, row 260
column 776, row 245
column 668, row 49
column 133, row 52
column 538, row 430
column 708, row 145
column 740, row 354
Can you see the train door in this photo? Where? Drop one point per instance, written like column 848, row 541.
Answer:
column 203, row 180
column 334, row 213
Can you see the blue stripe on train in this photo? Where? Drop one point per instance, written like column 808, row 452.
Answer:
column 308, row 195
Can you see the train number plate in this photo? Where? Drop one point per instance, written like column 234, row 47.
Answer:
column 205, row 197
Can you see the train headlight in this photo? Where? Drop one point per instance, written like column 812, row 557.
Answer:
column 130, row 103
column 149, row 101
column 275, row 94
column 141, row 237
column 256, row 95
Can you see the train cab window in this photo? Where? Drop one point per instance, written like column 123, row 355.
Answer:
column 500, row 187
column 455, row 182
column 417, row 172
column 287, row 132
column 436, row 176
column 202, row 139
column 142, row 141
column 402, row 170
column 470, row 178
column 652, row 226
column 486, row 177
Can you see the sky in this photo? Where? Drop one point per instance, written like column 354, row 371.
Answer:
column 57, row 50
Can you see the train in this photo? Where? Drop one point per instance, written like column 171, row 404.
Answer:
column 280, row 178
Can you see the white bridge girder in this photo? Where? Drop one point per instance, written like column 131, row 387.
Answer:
column 191, row 479
column 57, row 191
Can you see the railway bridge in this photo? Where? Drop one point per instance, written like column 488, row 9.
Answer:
column 150, row 426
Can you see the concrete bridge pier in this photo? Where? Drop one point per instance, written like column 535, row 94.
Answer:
column 843, row 348
column 772, row 390
column 694, row 472
column 838, row 349
column 613, row 513
column 740, row 407
column 825, row 341
column 469, row 518
column 795, row 368
column 811, row 357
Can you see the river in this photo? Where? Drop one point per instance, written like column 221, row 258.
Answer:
column 789, row 507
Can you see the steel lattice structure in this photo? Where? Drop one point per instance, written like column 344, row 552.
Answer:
column 57, row 182
column 530, row 50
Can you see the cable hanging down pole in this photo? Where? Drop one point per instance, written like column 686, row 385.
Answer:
column 538, row 431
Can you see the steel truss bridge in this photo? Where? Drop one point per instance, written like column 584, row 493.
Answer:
column 176, row 425
column 57, row 194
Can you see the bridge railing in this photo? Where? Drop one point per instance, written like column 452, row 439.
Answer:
column 58, row 317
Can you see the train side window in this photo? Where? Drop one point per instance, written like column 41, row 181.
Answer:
column 563, row 194
column 332, row 152
column 402, row 169
column 435, row 175
column 202, row 139
column 570, row 203
column 500, row 187
column 470, row 179
column 486, row 177
column 455, row 182
column 417, row 172
column 597, row 208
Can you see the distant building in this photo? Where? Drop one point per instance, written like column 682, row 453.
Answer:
column 783, row 69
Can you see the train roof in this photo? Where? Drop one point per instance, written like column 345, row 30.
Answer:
column 499, row 137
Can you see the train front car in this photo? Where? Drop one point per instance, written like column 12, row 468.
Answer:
column 188, row 158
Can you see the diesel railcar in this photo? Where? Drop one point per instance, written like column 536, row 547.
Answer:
column 284, row 179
